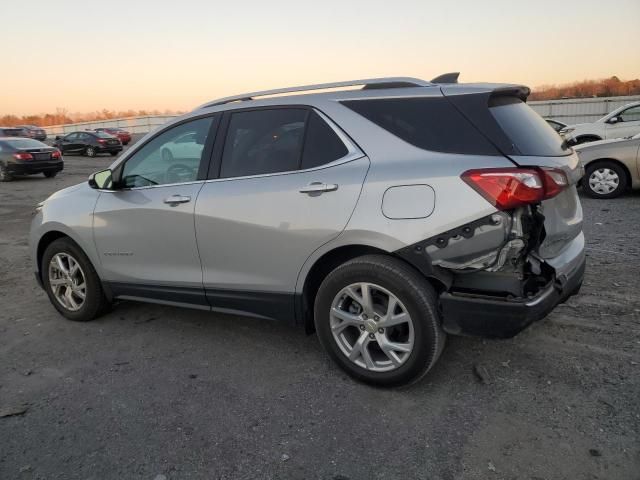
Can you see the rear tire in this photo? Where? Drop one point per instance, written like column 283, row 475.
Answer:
column 5, row 176
column 370, row 340
column 113, row 154
column 604, row 180
column 90, row 152
column 65, row 290
column 50, row 174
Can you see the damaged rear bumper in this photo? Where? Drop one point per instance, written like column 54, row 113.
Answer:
column 498, row 317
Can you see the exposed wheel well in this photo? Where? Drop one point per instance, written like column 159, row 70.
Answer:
column 328, row 262
column 587, row 138
column 612, row 160
column 45, row 241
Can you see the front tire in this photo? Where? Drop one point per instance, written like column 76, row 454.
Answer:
column 377, row 318
column 71, row 282
column 90, row 152
column 605, row 180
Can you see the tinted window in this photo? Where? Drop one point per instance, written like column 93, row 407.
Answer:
column 163, row 160
column 428, row 123
column 630, row 114
column 321, row 145
column 72, row 136
column 263, row 141
column 529, row 133
column 26, row 143
column 103, row 135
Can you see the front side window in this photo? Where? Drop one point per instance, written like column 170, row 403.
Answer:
column 167, row 158
column 630, row 114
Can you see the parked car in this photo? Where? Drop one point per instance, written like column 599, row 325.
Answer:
column 382, row 218
column 12, row 132
column 25, row 156
column 623, row 122
column 122, row 135
column 34, row 132
column 611, row 166
column 555, row 124
column 88, row 143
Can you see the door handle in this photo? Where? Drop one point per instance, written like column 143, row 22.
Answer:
column 174, row 200
column 318, row 187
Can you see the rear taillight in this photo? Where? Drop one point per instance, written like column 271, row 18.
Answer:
column 23, row 156
column 101, row 140
column 56, row 154
column 508, row 188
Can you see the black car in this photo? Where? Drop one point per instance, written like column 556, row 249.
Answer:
column 32, row 131
column 12, row 132
column 25, row 156
column 88, row 143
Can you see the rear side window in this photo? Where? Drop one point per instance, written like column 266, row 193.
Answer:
column 322, row 145
column 529, row 133
column 263, row 141
column 429, row 123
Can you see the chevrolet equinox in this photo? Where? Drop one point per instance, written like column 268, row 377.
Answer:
column 382, row 216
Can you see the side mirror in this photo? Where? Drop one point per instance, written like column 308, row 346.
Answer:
column 58, row 137
column 613, row 120
column 101, row 180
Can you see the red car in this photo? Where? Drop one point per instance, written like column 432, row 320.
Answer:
column 123, row 135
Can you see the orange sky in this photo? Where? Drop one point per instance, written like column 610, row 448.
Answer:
column 176, row 55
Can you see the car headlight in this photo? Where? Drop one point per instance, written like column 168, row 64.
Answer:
column 38, row 208
column 567, row 130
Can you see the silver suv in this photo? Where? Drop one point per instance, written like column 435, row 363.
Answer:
column 380, row 216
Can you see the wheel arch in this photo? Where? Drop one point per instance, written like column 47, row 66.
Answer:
column 591, row 136
column 327, row 263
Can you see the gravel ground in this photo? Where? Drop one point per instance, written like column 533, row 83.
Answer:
column 155, row 392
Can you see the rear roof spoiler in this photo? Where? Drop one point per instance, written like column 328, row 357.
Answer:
column 451, row 77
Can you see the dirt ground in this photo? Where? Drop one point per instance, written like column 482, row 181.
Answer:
column 159, row 393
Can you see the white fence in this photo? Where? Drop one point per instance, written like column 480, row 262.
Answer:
column 579, row 110
column 131, row 124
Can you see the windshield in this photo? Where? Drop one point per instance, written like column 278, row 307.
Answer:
column 529, row 133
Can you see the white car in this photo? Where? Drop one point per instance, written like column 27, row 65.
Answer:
column 623, row 122
column 183, row 147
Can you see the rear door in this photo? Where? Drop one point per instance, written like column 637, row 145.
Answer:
column 285, row 183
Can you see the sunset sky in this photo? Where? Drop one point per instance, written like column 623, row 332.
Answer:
column 114, row 54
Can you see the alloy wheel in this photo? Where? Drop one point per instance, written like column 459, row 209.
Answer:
column 67, row 281
column 372, row 327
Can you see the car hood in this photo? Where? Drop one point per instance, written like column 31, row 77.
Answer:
column 65, row 192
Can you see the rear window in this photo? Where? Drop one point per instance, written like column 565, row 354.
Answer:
column 11, row 132
column 529, row 133
column 429, row 123
column 25, row 143
column 102, row 135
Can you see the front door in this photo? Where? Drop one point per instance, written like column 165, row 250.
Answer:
column 144, row 230
column 628, row 124
column 288, row 183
